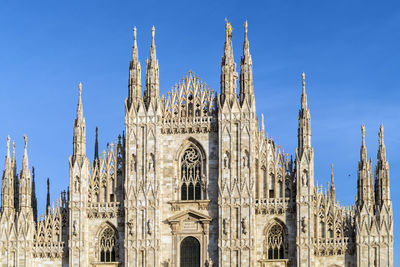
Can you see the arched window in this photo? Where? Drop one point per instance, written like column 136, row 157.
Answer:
column 107, row 246
column 191, row 174
column 275, row 242
column 190, row 252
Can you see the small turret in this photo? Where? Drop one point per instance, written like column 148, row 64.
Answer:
column 25, row 182
column 135, row 84
column 364, row 183
column 79, row 139
column 332, row 191
column 152, row 90
column 304, row 130
column 229, row 75
column 16, row 179
column 48, row 196
column 7, row 192
column 246, row 73
column 382, row 181
column 96, row 148
column 33, row 196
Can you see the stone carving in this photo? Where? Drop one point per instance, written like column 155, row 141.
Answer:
column 244, row 225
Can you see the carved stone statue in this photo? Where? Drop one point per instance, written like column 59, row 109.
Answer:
column 74, row 228
column 130, row 226
column 303, row 224
column 225, row 226
column 149, row 226
column 245, row 225
column 304, row 179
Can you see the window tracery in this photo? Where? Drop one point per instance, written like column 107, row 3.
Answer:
column 275, row 242
column 107, row 245
column 192, row 185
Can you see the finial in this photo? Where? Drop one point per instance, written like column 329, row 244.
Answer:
column 134, row 33
column 332, row 173
column 13, row 147
column 8, row 146
column 363, row 134
column 303, row 78
column 153, row 32
column 381, row 134
column 245, row 27
column 262, row 122
column 26, row 141
column 80, row 89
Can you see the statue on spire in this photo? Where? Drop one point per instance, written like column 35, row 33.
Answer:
column 228, row 28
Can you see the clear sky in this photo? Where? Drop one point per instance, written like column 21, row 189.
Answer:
column 349, row 51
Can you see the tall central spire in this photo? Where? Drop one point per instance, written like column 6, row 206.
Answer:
column 135, row 84
column 151, row 92
column 229, row 75
column 246, row 72
column 79, row 139
column 304, row 131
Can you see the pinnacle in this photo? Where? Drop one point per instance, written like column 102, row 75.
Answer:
column 303, row 94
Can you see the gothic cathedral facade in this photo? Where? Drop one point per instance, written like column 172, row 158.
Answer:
column 194, row 181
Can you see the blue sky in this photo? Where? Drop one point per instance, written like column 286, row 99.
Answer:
column 349, row 51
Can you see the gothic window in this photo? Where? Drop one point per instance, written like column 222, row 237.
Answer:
column 190, row 252
column 322, row 228
column 272, row 186
column 191, row 174
column 275, row 242
column 107, row 245
column 280, row 188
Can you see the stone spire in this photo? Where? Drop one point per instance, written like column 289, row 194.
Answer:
column 229, row 75
column 33, row 196
column 246, row 72
column 364, row 182
column 7, row 193
column 79, row 139
column 382, row 181
column 48, row 196
column 96, row 146
column 332, row 191
column 151, row 92
column 16, row 179
column 25, row 181
column 135, row 84
column 304, row 130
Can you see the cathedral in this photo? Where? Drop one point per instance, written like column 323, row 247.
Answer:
column 194, row 180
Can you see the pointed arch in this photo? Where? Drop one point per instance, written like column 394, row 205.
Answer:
column 192, row 170
column 107, row 243
column 275, row 240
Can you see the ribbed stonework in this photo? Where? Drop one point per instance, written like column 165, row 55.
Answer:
column 194, row 181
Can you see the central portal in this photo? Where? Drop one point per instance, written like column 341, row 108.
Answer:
column 190, row 252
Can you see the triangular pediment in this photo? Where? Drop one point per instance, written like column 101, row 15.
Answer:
column 189, row 214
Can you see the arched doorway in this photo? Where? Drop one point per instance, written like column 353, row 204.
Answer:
column 190, row 252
